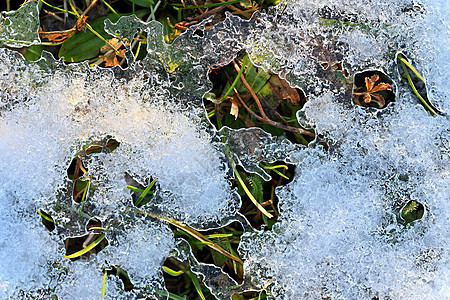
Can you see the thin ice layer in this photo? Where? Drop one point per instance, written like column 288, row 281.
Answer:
column 20, row 28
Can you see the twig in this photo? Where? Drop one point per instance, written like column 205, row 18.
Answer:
column 54, row 15
column 264, row 117
column 271, row 122
column 244, row 81
column 66, row 14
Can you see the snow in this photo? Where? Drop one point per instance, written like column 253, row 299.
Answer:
column 338, row 235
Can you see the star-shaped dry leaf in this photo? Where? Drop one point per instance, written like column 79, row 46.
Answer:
column 372, row 92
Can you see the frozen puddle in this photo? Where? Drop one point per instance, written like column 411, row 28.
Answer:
column 340, row 234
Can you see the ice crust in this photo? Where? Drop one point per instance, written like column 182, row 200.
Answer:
column 338, row 236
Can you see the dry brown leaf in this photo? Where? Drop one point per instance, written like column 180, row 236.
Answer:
column 371, row 92
column 110, row 56
column 114, row 42
column 56, row 36
column 282, row 90
column 60, row 36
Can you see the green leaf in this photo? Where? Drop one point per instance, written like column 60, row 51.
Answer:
column 85, row 45
column 143, row 3
column 34, row 52
column 412, row 211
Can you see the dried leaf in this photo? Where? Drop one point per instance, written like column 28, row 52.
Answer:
column 234, row 111
column 110, row 57
column 115, row 42
column 371, row 93
column 282, row 90
column 370, row 82
column 56, row 36
column 60, row 36
column 382, row 87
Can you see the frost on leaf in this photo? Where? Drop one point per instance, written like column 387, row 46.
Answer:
column 20, row 28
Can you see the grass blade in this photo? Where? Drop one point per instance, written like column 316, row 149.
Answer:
column 172, row 272
column 249, row 194
column 236, row 80
column 103, row 285
column 196, row 285
column 145, row 192
column 87, row 249
column 45, row 216
column 405, row 64
column 135, row 189
column 194, row 233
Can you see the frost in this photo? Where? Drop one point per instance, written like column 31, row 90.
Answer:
column 339, row 234
column 20, row 28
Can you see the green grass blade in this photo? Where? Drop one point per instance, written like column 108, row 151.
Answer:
column 87, row 249
column 218, row 235
column 57, row 8
column 172, row 272
column 274, row 168
column 135, row 189
column 97, row 228
column 197, row 286
column 45, row 217
column 281, row 174
column 86, row 188
column 145, row 192
column 236, row 80
column 249, row 194
column 405, row 62
column 411, row 84
column 109, row 7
